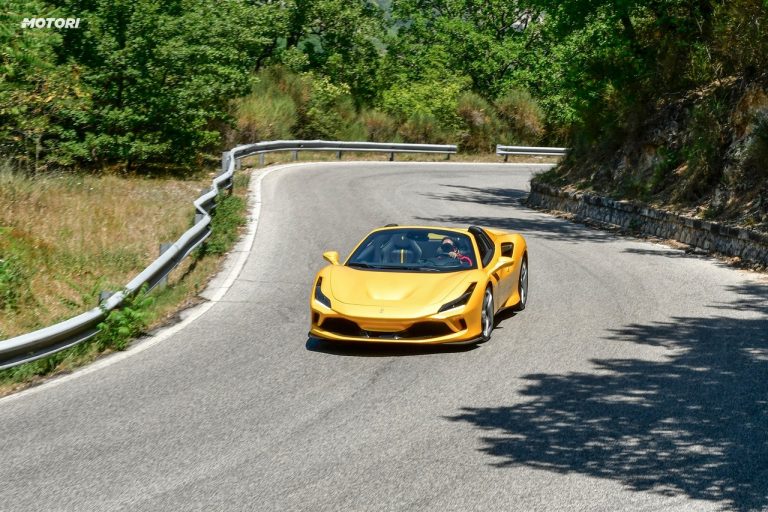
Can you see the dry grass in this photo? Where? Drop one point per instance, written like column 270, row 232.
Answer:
column 74, row 235
column 184, row 284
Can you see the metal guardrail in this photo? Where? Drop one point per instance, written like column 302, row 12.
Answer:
column 526, row 150
column 49, row 340
column 261, row 148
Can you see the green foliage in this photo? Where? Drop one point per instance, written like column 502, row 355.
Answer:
column 481, row 126
column 284, row 105
column 669, row 160
column 229, row 215
column 13, row 282
column 327, row 112
column 338, row 39
column 421, row 129
column 267, row 113
column 146, row 81
column 379, row 127
column 161, row 81
column 406, row 99
column 740, row 37
column 704, row 150
column 487, row 44
column 756, row 154
column 123, row 324
column 522, row 117
column 139, row 81
column 41, row 99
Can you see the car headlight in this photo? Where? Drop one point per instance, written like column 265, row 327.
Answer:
column 320, row 296
column 461, row 301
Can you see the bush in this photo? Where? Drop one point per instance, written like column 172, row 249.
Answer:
column 435, row 99
column 423, row 129
column 522, row 116
column 228, row 217
column 264, row 117
column 481, row 126
column 125, row 323
column 379, row 127
column 756, row 154
column 704, row 149
column 330, row 111
column 285, row 105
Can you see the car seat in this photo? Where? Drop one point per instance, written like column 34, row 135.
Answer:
column 401, row 249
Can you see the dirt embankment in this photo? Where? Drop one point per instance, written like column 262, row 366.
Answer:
column 703, row 154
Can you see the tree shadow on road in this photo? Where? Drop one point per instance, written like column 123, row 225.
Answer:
column 542, row 226
column 490, row 196
column 694, row 424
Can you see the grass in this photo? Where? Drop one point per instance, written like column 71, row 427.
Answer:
column 64, row 282
column 74, row 235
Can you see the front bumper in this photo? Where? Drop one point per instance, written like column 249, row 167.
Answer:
column 381, row 325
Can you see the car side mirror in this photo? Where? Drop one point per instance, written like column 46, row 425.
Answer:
column 331, row 257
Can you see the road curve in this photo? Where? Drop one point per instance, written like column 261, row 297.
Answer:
column 634, row 380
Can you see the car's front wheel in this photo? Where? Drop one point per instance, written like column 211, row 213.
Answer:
column 522, row 285
column 486, row 315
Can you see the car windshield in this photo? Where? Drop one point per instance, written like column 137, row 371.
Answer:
column 415, row 250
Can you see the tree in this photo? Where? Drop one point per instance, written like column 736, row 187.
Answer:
column 340, row 39
column 41, row 100
column 163, row 73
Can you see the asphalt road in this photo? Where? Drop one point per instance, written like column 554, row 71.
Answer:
column 634, row 380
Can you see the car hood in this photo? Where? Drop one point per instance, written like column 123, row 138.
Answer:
column 381, row 287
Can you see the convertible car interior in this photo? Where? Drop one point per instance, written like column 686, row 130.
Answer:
column 404, row 247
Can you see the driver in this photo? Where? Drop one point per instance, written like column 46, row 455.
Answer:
column 448, row 248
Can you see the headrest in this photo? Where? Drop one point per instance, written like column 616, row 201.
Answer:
column 402, row 242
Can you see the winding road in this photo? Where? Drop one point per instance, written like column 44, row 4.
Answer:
column 634, row 380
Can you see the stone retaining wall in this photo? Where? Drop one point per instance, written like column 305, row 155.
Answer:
column 747, row 244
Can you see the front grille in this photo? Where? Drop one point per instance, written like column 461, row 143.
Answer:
column 344, row 327
column 427, row 330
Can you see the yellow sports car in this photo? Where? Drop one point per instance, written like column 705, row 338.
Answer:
column 415, row 284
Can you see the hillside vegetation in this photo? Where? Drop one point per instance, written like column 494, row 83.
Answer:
column 682, row 122
column 662, row 100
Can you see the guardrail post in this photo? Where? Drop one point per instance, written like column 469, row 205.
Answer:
column 294, row 155
column 164, row 246
column 338, row 155
column 447, row 156
column 104, row 295
column 392, row 156
column 238, row 164
column 506, row 157
column 261, row 159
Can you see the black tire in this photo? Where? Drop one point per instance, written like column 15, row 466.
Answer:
column 486, row 315
column 522, row 285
